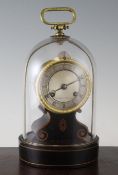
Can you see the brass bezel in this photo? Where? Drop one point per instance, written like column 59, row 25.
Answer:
column 45, row 67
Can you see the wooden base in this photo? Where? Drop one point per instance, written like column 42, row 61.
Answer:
column 58, row 155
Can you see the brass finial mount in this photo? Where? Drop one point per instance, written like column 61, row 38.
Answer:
column 58, row 26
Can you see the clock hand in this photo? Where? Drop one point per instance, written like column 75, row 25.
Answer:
column 63, row 86
column 72, row 82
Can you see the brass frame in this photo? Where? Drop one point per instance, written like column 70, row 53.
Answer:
column 45, row 68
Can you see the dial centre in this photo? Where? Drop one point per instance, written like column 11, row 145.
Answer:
column 64, row 86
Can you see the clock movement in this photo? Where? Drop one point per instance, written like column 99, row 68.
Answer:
column 59, row 101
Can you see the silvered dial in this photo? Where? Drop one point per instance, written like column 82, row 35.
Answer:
column 63, row 86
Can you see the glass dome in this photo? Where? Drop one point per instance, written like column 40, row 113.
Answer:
column 59, row 101
column 52, row 49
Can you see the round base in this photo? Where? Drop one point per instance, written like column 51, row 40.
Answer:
column 56, row 155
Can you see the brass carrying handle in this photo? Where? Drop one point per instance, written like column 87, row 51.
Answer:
column 67, row 9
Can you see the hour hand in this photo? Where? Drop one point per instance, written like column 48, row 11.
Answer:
column 63, row 87
column 53, row 92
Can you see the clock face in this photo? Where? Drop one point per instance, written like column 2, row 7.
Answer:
column 63, row 86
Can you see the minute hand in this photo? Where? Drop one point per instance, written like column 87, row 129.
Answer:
column 64, row 86
column 72, row 82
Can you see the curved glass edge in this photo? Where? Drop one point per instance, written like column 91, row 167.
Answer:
column 85, row 50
